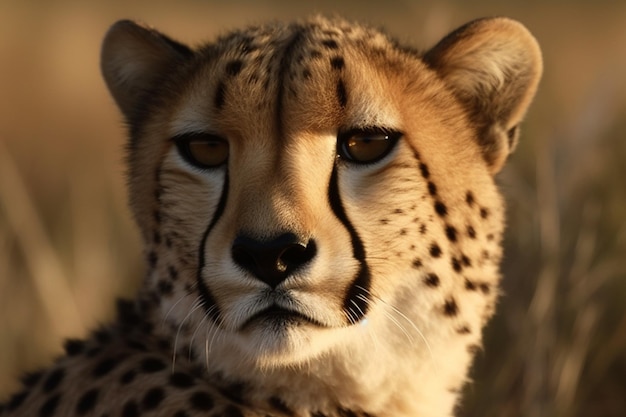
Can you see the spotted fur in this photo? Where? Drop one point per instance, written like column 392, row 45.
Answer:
column 290, row 279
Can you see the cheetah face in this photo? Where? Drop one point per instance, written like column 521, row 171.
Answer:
column 294, row 237
column 304, row 187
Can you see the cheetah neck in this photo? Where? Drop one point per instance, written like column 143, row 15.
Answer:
column 372, row 375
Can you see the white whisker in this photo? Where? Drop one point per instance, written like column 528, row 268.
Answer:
column 403, row 316
column 169, row 311
column 196, row 304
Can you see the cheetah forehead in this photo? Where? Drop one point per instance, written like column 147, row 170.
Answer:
column 305, row 72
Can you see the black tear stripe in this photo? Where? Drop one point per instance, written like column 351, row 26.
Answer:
column 208, row 301
column 355, row 303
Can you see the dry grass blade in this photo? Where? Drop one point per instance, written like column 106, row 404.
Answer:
column 53, row 291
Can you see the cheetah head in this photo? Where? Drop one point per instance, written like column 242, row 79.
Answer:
column 315, row 190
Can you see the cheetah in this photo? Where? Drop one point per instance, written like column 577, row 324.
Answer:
column 321, row 222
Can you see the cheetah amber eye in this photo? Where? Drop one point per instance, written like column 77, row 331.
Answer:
column 366, row 146
column 202, row 150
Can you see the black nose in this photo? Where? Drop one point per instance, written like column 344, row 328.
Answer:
column 272, row 261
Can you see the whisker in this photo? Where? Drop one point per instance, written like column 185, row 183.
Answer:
column 403, row 316
column 193, row 336
column 196, row 305
column 169, row 311
column 208, row 346
column 397, row 324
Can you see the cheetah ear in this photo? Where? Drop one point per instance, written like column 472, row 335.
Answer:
column 493, row 65
column 133, row 59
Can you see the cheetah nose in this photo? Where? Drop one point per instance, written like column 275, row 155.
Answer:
column 272, row 261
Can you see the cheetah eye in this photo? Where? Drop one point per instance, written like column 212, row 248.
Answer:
column 202, row 150
column 366, row 146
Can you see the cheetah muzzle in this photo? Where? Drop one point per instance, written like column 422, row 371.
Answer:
column 320, row 219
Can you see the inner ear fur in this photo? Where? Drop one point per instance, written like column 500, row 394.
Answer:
column 493, row 66
column 133, row 59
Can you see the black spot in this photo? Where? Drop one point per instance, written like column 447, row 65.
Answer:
column 398, row 211
column 403, row 232
column 456, row 264
column 235, row 392
column 466, row 261
column 471, row 232
column 417, row 263
column 423, row 229
column 152, row 259
column 330, row 44
column 128, row 377
column 130, row 409
column 342, row 95
column 266, row 86
column 53, row 380
column 105, row 366
column 127, row 313
column 232, row 411
column 315, row 54
column 87, row 401
column 201, row 401
column 74, row 347
column 490, row 237
column 384, row 221
column 343, row 412
column 337, row 63
column 165, row 287
column 135, row 345
column 150, row 365
column 17, row 400
column 464, row 330
column 473, row 349
column 31, row 379
column 153, row 398
column 49, row 407
column 441, row 208
column 172, row 272
column 484, row 288
column 470, row 285
column 164, row 344
column 469, row 198
column 102, row 336
column 93, row 352
column 484, row 213
column 450, row 308
column 432, row 280
column 435, row 250
column 511, row 134
column 451, row 233
column 181, row 380
column 234, row 67
column 432, row 188
column 424, row 170
column 279, row 405
column 220, row 94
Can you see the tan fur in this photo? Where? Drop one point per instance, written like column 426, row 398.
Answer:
column 424, row 223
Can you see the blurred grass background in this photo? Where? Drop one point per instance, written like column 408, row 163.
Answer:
column 557, row 347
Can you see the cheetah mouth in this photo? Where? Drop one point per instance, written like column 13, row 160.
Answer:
column 279, row 317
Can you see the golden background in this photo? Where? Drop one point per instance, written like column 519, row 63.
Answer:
column 68, row 247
